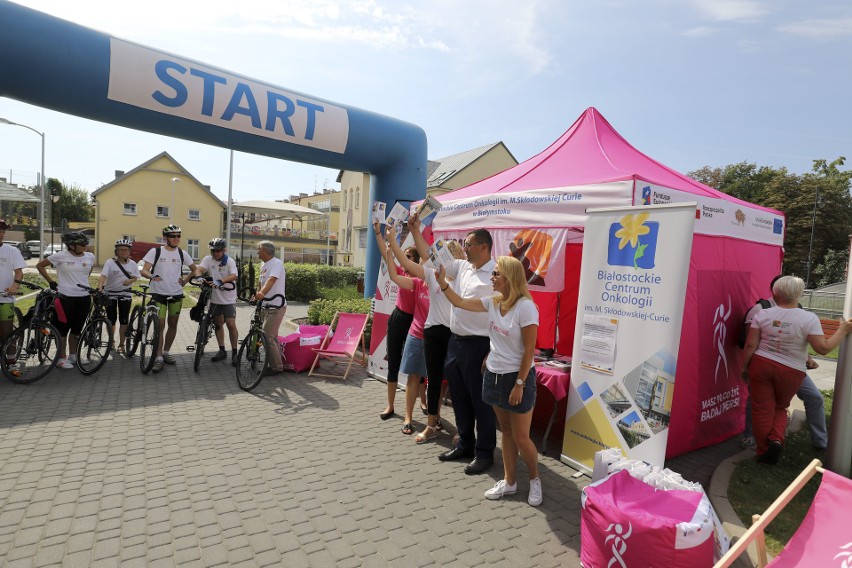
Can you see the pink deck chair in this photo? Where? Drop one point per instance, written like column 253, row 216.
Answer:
column 348, row 334
column 823, row 538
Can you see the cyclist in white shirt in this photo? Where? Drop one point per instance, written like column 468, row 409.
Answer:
column 117, row 276
column 272, row 281
column 73, row 266
column 222, row 268
column 12, row 266
column 167, row 282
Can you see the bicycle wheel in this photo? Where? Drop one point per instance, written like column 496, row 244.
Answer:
column 251, row 359
column 30, row 353
column 94, row 346
column 201, row 338
column 133, row 335
column 148, row 345
column 19, row 318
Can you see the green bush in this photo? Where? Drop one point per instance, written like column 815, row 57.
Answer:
column 302, row 282
column 305, row 282
column 321, row 312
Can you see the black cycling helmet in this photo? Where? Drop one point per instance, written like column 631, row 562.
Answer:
column 75, row 238
column 4, row 225
column 171, row 231
column 218, row 244
column 123, row 243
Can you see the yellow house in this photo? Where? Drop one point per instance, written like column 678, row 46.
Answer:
column 444, row 175
column 137, row 205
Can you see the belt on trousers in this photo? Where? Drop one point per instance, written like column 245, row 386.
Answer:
column 466, row 337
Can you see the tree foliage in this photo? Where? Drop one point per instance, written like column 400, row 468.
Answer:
column 816, row 203
column 73, row 203
column 832, row 269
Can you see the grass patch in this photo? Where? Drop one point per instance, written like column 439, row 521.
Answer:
column 753, row 486
column 833, row 354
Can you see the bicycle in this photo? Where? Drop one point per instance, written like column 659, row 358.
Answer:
column 206, row 327
column 252, row 356
column 95, row 342
column 143, row 329
column 32, row 350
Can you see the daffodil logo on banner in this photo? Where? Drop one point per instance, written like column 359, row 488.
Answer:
column 633, row 242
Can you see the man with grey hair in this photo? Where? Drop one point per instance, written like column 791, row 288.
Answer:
column 272, row 282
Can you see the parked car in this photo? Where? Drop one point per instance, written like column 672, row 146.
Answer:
column 35, row 247
column 25, row 252
column 52, row 249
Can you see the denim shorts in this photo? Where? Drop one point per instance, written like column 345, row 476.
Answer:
column 413, row 358
column 497, row 387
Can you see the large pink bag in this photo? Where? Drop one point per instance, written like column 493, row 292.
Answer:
column 627, row 523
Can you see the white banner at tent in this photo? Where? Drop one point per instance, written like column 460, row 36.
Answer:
column 717, row 216
column 553, row 207
column 629, row 314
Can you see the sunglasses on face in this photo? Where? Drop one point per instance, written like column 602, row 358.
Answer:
column 495, row 274
column 173, row 236
column 468, row 245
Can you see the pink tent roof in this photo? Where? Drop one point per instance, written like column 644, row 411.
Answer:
column 590, row 152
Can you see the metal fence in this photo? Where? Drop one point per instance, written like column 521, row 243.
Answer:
column 826, row 305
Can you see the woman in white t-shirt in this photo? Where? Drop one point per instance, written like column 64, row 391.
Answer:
column 73, row 267
column 117, row 276
column 774, row 362
column 508, row 382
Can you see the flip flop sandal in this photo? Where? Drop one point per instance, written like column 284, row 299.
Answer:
column 427, row 434
column 407, row 429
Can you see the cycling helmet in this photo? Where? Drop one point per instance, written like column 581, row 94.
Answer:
column 123, row 243
column 4, row 225
column 170, row 230
column 218, row 244
column 75, row 238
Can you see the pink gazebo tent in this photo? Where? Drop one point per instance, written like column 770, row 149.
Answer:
column 737, row 249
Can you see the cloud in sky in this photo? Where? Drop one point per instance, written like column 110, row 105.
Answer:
column 732, row 10
column 820, row 29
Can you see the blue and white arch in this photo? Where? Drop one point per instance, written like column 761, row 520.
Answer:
column 62, row 66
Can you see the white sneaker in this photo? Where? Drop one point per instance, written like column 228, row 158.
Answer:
column 72, row 359
column 500, row 489
column 64, row 363
column 536, row 496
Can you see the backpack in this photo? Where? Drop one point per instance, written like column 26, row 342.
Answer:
column 746, row 325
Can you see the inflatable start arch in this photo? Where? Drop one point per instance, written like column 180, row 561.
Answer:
column 62, row 66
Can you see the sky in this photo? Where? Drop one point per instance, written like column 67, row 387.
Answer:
column 688, row 82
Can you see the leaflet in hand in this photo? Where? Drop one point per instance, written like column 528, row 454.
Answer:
column 398, row 215
column 378, row 212
column 427, row 211
column 440, row 254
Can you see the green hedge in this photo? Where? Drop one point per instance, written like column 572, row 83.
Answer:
column 321, row 312
column 305, row 280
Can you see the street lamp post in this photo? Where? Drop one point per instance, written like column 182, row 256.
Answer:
column 55, row 200
column 172, row 206
column 41, row 180
column 811, row 246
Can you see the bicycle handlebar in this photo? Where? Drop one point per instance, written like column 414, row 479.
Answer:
column 270, row 299
column 207, row 281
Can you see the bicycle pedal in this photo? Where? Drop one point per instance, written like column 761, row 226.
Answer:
column 190, row 347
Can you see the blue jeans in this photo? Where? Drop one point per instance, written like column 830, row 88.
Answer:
column 814, row 413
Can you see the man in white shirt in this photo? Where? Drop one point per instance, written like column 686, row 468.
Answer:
column 163, row 266
column 272, row 282
column 223, row 270
column 467, row 350
column 12, row 266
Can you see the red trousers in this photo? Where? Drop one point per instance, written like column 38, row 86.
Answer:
column 772, row 386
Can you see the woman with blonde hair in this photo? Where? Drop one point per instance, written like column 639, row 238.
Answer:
column 774, row 362
column 508, row 382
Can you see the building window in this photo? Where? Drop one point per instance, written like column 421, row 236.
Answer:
column 162, row 211
column 130, row 238
column 195, row 214
column 192, row 248
column 362, row 238
column 357, row 198
column 345, row 200
column 130, row 209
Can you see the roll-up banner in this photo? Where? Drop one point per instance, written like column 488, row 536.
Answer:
column 629, row 313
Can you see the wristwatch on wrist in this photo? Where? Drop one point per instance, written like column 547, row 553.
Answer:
column 519, row 382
